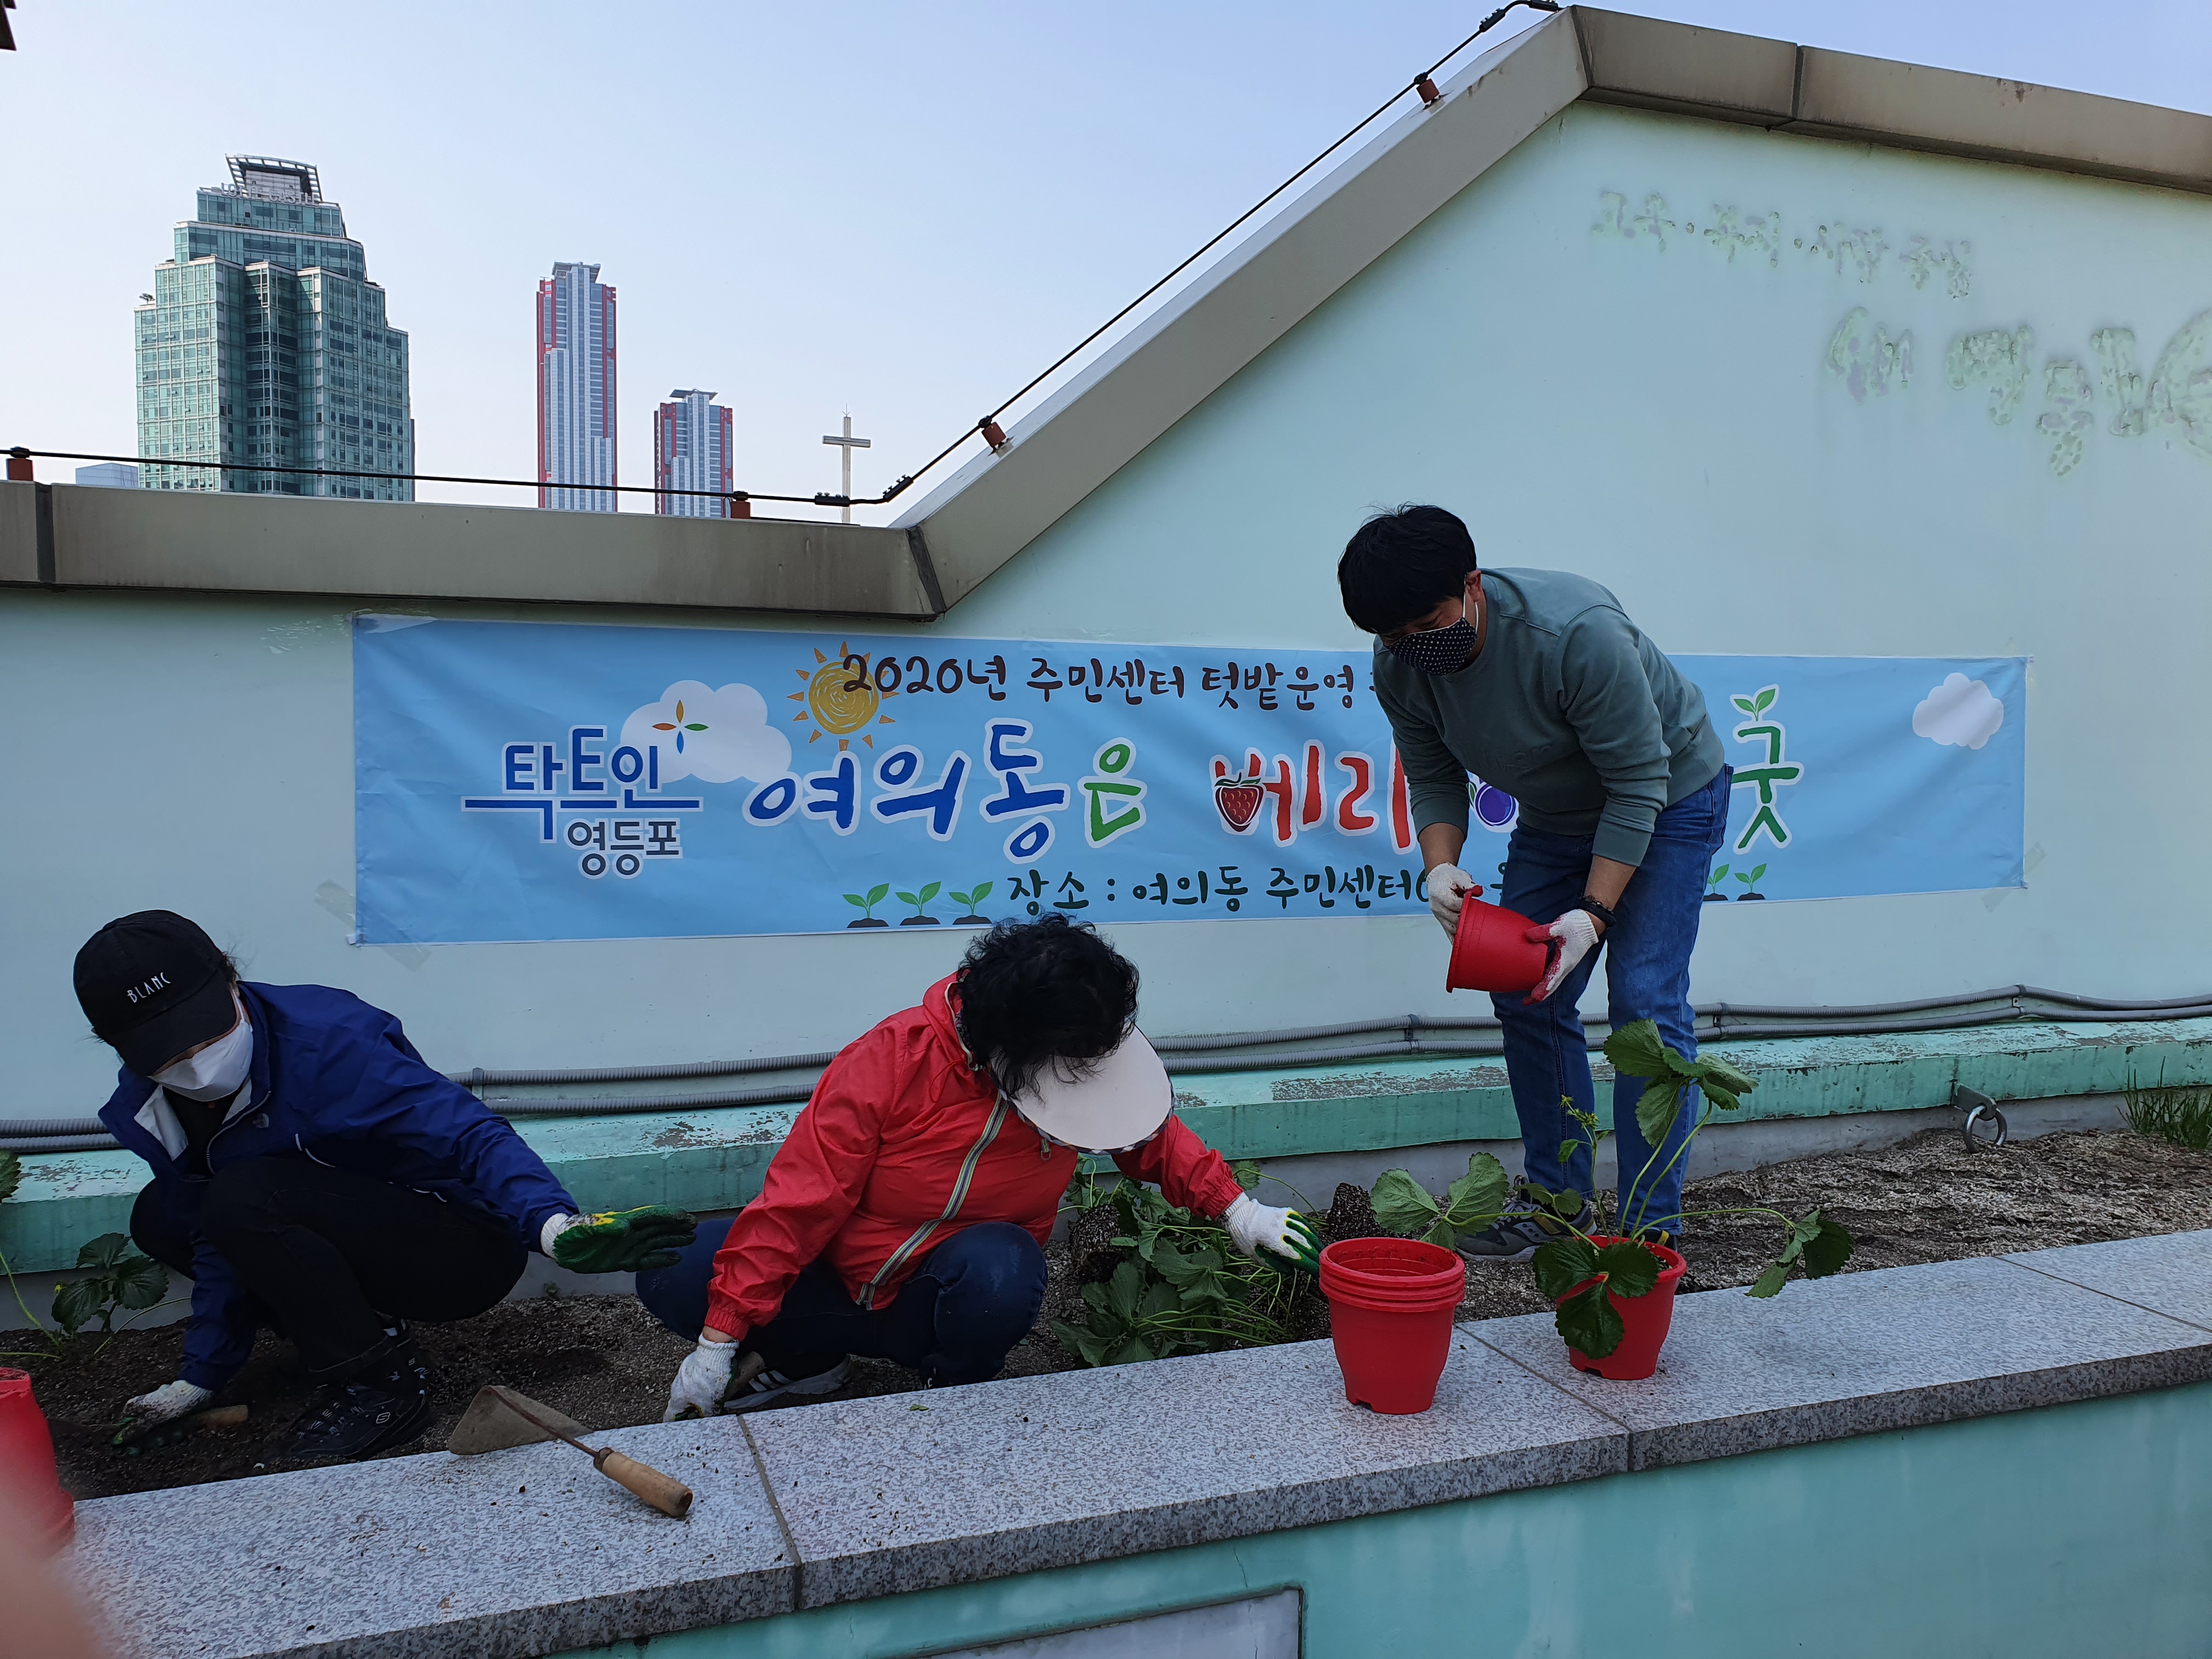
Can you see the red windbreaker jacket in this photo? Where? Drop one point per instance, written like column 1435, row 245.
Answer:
column 901, row 1146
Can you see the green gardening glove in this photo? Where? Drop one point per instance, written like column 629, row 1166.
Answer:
column 620, row 1241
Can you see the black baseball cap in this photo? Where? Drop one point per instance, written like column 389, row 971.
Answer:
column 152, row 984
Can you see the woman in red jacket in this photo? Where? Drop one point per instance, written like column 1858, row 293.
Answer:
column 905, row 1217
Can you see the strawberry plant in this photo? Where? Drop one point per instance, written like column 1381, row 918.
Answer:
column 128, row 1280
column 1478, row 1198
column 1583, row 1270
column 1180, row 1287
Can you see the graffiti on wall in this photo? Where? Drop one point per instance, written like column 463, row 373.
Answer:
column 2105, row 393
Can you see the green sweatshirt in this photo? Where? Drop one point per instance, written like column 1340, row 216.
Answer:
column 1569, row 709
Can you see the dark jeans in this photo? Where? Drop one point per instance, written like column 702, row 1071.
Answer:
column 332, row 1256
column 1647, row 976
column 977, row 1295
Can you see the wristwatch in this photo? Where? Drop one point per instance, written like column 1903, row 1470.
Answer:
column 1595, row 908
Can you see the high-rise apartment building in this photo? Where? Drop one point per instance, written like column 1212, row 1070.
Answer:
column 576, row 389
column 109, row 475
column 264, row 341
column 692, row 451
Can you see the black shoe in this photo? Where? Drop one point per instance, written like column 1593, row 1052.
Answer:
column 772, row 1385
column 387, row 1406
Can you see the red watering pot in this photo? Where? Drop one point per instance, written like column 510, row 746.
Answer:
column 1491, row 950
column 27, row 1462
column 1390, row 1306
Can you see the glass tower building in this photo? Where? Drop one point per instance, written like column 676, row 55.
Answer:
column 575, row 388
column 264, row 341
column 692, row 451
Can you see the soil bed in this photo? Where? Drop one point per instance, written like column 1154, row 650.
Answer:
column 606, row 1362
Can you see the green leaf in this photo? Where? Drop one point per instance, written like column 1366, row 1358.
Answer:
column 982, row 891
column 856, row 901
column 1758, row 871
column 1588, row 1322
column 1729, row 1077
column 1764, row 700
column 1827, row 1250
column 1770, row 1281
column 1568, row 1149
column 932, row 891
column 1562, row 1264
column 1248, row 1173
column 1124, row 1290
column 104, row 1251
column 1745, row 704
column 139, row 1283
column 77, row 1303
column 1174, row 1266
column 1566, row 1206
column 1082, row 1344
column 910, row 898
column 1159, row 1300
column 1724, row 1098
column 1629, row 1268
column 11, row 1173
column 1746, row 880
column 1656, row 1109
column 1094, row 1298
column 1637, row 1051
column 877, row 893
column 1133, row 1352
column 1402, row 1205
column 1716, row 875
column 1478, row 1196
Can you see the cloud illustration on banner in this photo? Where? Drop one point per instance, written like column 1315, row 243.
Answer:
column 716, row 737
column 1962, row 713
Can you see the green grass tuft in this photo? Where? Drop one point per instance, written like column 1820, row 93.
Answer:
column 2183, row 1115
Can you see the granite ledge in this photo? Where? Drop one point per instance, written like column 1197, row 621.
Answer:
column 1867, row 1352
column 411, row 1559
column 884, row 1497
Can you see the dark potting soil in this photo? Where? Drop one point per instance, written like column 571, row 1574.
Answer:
column 606, row 1362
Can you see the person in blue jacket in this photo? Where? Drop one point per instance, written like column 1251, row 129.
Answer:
column 312, row 1174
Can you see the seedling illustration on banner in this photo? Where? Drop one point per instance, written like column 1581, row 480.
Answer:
column 589, row 792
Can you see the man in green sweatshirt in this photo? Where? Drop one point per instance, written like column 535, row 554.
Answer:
column 1536, row 682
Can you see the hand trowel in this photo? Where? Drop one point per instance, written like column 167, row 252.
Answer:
column 499, row 1417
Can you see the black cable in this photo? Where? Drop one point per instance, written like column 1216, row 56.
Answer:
column 825, row 498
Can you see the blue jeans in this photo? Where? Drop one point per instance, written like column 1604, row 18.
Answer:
column 976, row 1295
column 1647, row 976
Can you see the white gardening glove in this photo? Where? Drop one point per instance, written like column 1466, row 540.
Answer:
column 1570, row 938
column 554, row 1227
column 1254, row 1226
column 177, row 1398
column 1449, row 886
column 700, row 1380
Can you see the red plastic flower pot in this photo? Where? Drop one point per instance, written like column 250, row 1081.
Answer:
column 1491, row 950
column 1645, row 1319
column 26, row 1460
column 1390, row 1305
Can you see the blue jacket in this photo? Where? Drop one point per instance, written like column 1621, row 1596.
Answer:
column 336, row 1080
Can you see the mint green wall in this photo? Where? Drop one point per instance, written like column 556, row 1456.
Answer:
column 2076, row 1529
column 1660, row 420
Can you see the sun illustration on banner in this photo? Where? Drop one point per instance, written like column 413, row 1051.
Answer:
column 679, row 725
column 842, row 698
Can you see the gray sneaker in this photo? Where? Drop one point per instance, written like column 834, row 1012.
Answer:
column 769, row 1385
column 1514, row 1235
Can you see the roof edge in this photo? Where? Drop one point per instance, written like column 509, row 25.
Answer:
column 1196, row 340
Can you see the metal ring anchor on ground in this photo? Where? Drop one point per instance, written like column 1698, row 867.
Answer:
column 1979, row 1109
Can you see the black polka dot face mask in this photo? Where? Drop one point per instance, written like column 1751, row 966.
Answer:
column 1437, row 650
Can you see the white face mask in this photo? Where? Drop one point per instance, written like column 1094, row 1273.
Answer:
column 217, row 1070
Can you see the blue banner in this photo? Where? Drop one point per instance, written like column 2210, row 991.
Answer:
column 525, row 781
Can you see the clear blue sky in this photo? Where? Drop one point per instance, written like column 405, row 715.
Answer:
column 900, row 210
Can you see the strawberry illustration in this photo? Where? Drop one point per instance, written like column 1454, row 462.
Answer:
column 1239, row 801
